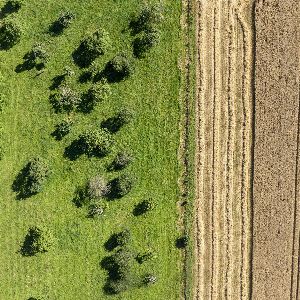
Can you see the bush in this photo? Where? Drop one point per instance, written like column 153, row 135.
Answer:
column 63, row 129
column 145, row 42
column 123, row 237
column 149, row 279
column 143, row 207
column 13, row 5
column 121, row 186
column 96, row 94
column 119, row 68
column 182, row 242
column 95, row 210
column 37, row 240
column 149, row 17
column 116, row 286
column 141, row 258
column 65, row 19
column 10, row 34
column 95, row 142
column 121, row 161
column 97, row 187
column 32, row 178
column 38, row 54
column 115, row 123
column 65, row 100
column 91, row 47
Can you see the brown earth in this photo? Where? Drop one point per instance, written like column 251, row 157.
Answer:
column 276, row 152
column 247, row 208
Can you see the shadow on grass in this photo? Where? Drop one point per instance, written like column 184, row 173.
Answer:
column 74, row 150
column 27, row 248
column 57, row 81
column 8, row 9
column 111, row 243
column 20, row 184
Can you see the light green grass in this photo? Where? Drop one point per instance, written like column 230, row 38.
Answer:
column 71, row 271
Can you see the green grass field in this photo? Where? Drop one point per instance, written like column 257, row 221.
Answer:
column 72, row 269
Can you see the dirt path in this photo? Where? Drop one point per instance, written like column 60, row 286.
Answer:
column 223, row 154
column 276, row 168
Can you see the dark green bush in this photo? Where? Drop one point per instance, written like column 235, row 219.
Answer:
column 115, row 123
column 121, row 186
column 143, row 207
column 32, row 178
column 143, row 257
column 65, row 19
column 143, row 43
column 123, row 237
column 117, row 286
column 121, row 161
column 119, row 68
column 95, row 142
column 149, row 17
column 91, row 47
column 63, row 129
column 37, row 240
column 65, row 100
column 99, row 92
column 10, row 34
column 13, row 5
column 38, row 55
column 182, row 242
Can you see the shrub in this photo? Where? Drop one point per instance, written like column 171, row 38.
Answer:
column 149, row 16
column 65, row 100
column 38, row 54
column 96, row 142
column 121, row 186
column 10, row 34
column 95, row 210
column 119, row 68
column 91, row 47
column 143, row 257
column 65, row 19
column 115, row 123
column 149, row 279
column 143, row 207
column 145, row 42
column 116, row 286
column 32, row 178
column 182, row 242
column 123, row 237
column 121, row 161
column 13, row 5
column 97, row 187
column 37, row 240
column 63, row 129
column 99, row 92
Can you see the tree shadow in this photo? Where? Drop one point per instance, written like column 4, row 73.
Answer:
column 138, row 210
column 27, row 248
column 111, row 124
column 86, row 106
column 56, row 28
column 111, row 243
column 85, row 77
column 20, row 183
column 74, row 150
column 29, row 64
column 181, row 242
column 57, row 81
column 8, row 9
column 81, row 58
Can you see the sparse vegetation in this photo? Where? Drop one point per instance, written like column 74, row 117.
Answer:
column 10, row 34
column 37, row 240
column 91, row 47
column 65, row 99
column 32, row 177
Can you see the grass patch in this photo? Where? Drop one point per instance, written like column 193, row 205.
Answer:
column 71, row 270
